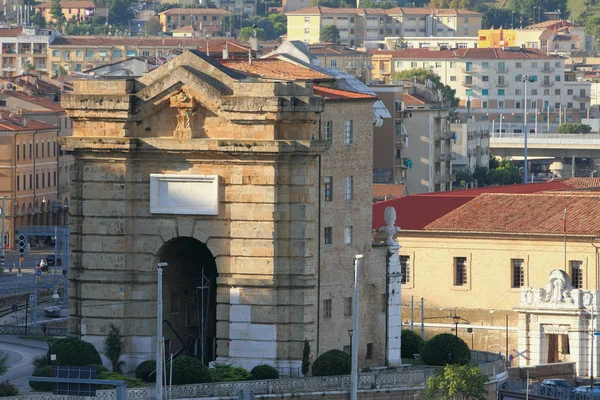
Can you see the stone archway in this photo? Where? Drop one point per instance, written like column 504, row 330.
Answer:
column 188, row 298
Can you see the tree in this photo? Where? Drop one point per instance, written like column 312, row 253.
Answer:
column 400, row 43
column 499, row 17
column 457, row 382
column 305, row 358
column 248, row 32
column 165, row 6
column 504, row 174
column 56, row 10
column 61, row 71
column 462, row 4
column 526, row 7
column 3, row 363
column 38, row 20
column 153, row 26
column 422, row 75
column 330, row 34
column 574, row 128
column 113, row 347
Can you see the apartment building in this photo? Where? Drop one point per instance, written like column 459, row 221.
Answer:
column 78, row 10
column 360, row 25
column 350, row 61
column 415, row 147
column 471, row 144
column 489, row 86
column 206, row 21
column 238, row 7
column 293, row 5
column 29, row 160
column 419, row 42
column 22, row 45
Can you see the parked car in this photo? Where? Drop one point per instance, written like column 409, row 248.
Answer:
column 51, row 260
column 553, row 387
column 584, row 391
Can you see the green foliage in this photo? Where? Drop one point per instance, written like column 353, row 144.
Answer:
column 114, row 347
column 41, row 361
column 526, row 7
column 120, row 12
column 499, row 17
column 375, row 4
column 3, row 363
column 7, row 389
column 457, row 382
column 411, row 343
column 329, row 34
column 333, row 362
column 114, row 376
column 574, row 128
column 228, row 373
column 73, row 351
column 56, row 10
column 99, row 368
column 462, row 4
column 153, row 26
column 248, row 32
column 422, row 75
column 332, row 3
column 38, row 20
column 306, row 357
column 264, row 371
column 27, row 66
column 400, row 43
column 446, row 348
column 189, row 370
column 143, row 371
column 166, row 6
column 47, row 372
column 504, row 174
column 274, row 25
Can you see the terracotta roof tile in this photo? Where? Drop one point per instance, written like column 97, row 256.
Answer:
column 541, row 213
column 580, row 182
column 10, row 32
column 38, row 101
column 413, row 99
column 467, row 54
column 16, row 123
column 319, row 10
column 106, row 41
column 381, row 190
column 274, row 69
column 337, row 94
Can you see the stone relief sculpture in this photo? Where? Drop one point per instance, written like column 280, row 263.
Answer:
column 558, row 289
column 389, row 216
column 527, row 296
column 185, row 105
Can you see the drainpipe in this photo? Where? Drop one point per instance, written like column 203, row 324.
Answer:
column 597, row 278
column 319, row 251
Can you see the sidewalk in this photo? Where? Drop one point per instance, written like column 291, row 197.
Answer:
column 13, row 339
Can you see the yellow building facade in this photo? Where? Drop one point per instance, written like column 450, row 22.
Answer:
column 496, row 38
column 206, row 20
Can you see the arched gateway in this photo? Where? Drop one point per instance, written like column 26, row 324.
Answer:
column 206, row 169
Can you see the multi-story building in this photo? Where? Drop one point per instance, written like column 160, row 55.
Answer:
column 239, row 8
column 471, row 144
column 206, row 21
column 78, row 10
column 420, row 42
column 293, row 5
column 9, row 8
column 29, row 157
column 358, row 25
column 489, row 86
column 415, row 147
column 350, row 61
column 25, row 45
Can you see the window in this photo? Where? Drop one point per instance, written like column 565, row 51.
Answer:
column 518, row 118
column 518, row 104
column 438, row 64
column 54, row 179
column 328, row 235
column 519, row 65
column 18, row 182
column 333, row 63
column 534, row 64
column 347, row 235
column 54, row 149
column 383, row 305
column 484, row 92
column 453, row 79
column 546, row 92
column 43, row 180
column 89, row 54
column 501, row 104
column 327, row 308
column 24, row 151
column 485, row 64
column 500, row 92
column 557, row 92
column 55, row 53
column 484, row 104
column 48, row 180
column 460, row 271
column 557, row 64
column 534, row 104
column 48, row 148
column 328, row 186
column 369, row 354
column 570, row 92
column 347, row 306
column 18, row 151
column 518, row 92
column 485, row 78
column 348, row 132
column 569, row 105
column 30, row 151
column 577, row 274
column 37, row 150
column 534, row 92
column 556, row 78
column 413, row 65
column 42, row 150
column 306, row 19
column 30, row 181
column 37, row 181
column 117, row 53
column 175, row 303
column 405, row 269
column 131, row 53
column 328, row 130
column 518, row 275
column 349, row 189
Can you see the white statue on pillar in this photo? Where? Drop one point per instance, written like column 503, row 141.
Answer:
column 389, row 216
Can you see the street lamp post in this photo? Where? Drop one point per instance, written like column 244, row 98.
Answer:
column 350, row 334
column 354, row 375
column 525, row 79
column 159, row 339
column 456, row 319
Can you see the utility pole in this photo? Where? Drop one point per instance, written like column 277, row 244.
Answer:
column 354, row 374
column 422, row 318
column 159, row 338
column 573, row 166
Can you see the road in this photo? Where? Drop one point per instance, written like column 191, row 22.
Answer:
column 10, row 283
column 20, row 366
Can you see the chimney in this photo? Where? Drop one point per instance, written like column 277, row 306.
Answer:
column 225, row 52
column 254, row 43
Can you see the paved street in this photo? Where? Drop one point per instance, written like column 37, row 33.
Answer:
column 10, row 283
column 20, row 356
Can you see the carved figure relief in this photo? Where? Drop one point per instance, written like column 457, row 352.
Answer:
column 389, row 216
column 527, row 296
column 558, row 290
column 185, row 105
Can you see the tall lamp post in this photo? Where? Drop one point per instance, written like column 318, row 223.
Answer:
column 456, row 320
column 525, row 79
column 350, row 334
column 354, row 375
column 159, row 338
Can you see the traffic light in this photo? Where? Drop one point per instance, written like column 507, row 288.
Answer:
column 21, row 244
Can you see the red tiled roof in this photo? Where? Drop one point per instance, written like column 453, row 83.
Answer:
column 557, row 184
column 580, row 182
column 107, row 41
column 274, row 69
column 16, row 123
column 541, row 213
column 69, row 4
column 38, row 101
column 413, row 99
column 195, row 11
column 479, row 53
column 10, row 32
column 337, row 94
column 381, row 190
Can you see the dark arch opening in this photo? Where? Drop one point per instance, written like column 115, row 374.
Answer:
column 188, row 297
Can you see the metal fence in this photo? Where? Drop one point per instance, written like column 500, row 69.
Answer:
column 20, row 331
column 520, row 386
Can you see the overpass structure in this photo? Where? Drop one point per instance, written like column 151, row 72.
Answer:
column 546, row 145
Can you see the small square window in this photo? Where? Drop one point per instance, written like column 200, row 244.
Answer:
column 347, row 306
column 484, row 92
column 500, row 92
column 347, row 235
column 327, row 308
column 460, row 271
column 453, row 79
column 328, row 235
column 485, row 78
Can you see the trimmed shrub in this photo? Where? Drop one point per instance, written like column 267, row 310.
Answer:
column 228, row 373
column 189, row 370
column 99, row 368
column 333, row 362
column 264, row 371
column 7, row 389
column 41, row 361
column 73, row 351
column 115, row 376
column 47, row 372
column 143, row 371
column 411, row 343
column 446, row 348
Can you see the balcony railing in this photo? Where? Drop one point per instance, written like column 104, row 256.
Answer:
column 547, row 69
column 40, row 52
column 501, row 84
column 547, row 83
column 501, row 71
column 446, row 156
column 468, row 71
column 579, row 97
column 468, row 83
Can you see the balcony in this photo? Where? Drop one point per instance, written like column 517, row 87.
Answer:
column 579, row 97
column 445, row 135
column 442, row 178
column 400, row 162
column 9, row 67
column 501, row 71
column 547, row 83
column 547, row 69
column 468, row 71
column 446, row 156
column 501, row 84
column 40, row 52
column 467, row 83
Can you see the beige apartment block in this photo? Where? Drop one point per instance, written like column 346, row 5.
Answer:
column 252, row 245
column 80, row 10
column 471, row 144
column 206, row 20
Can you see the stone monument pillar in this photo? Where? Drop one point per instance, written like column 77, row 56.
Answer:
column 394, row 317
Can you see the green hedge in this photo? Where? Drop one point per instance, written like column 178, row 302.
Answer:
column 228, row 373
column 411, row 343
column 47, row 372
column 264, row 371
column 189, row 370
column 143, row 371
column 333, row 362
column 7, row 389
column 75, row 352
column 445, row 349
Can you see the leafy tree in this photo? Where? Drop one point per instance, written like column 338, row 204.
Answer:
column 446, row 348
column 306, row 357
column 153, row 26
column 56, row 10
column 463, row 4
column 263, row 371
column 27, row 66
column 332, row 362
column 248, row 32
column 411, row 343
column 400, row 43
column 3, row 363
column 144, row 370
column 120, row 12
column 38, row 20
column 333, row 3
column 61, row 71
column 375, row 4
column 166, row 6
column 504, row 174
column 330, row 34
column 279, row 23
column 114, row 347
column 422, row 75
column 73, row 351
column 574, row 128
column 525, row 7
column 499, row 17
column 457, row 382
